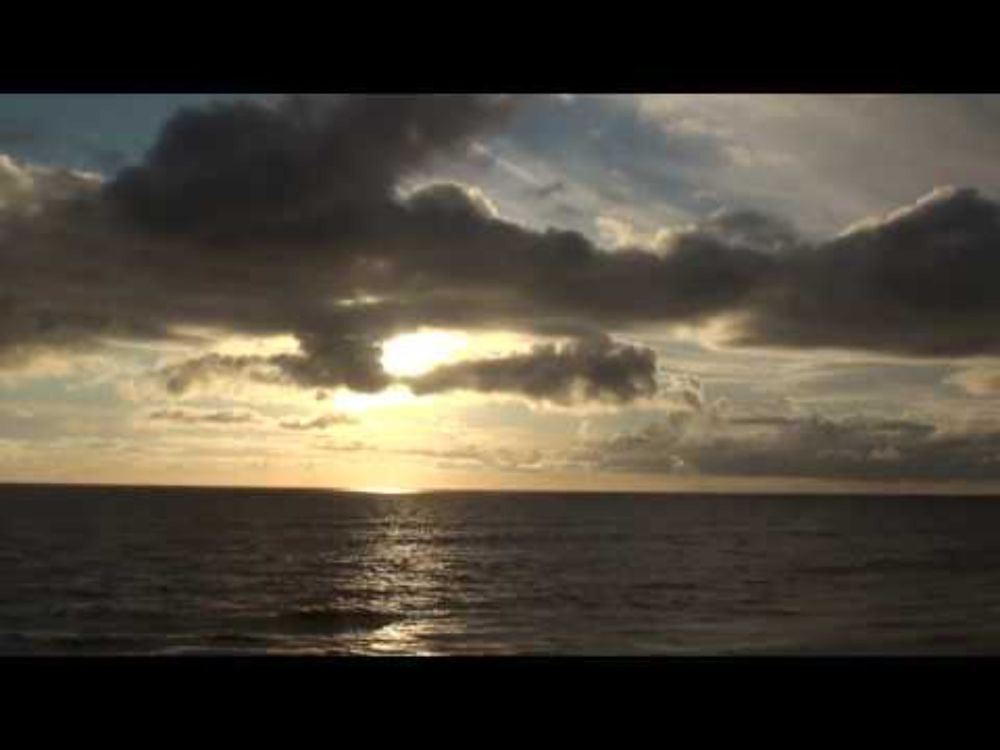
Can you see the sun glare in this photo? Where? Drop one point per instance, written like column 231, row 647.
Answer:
column 412, row 354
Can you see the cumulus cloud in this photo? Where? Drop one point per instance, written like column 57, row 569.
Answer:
column 752, row 229
column 243, row 217
column 920, row 281
column 240, row 168
column 286, row 217
column 26, row 189
column 271, row 218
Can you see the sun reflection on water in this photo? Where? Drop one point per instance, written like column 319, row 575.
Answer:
column 407, row 572
column 409, row 638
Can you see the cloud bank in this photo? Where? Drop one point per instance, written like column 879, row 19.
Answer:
column 289, row 217
column 801, row 446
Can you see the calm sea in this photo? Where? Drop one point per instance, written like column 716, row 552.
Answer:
column 87, row 570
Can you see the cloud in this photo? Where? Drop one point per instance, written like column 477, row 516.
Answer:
column 587, row 369
column 873, row 151
column 857, row 447
column 499, row 458
column 751, row 229
column 321, row 422
column 351, row 446
column 593, row 369
column 26, row 189
column 339, row 361
column 240, row 168
column 242, row 217
column 920, row 281
column 194, row 416
column 255, row 217
column 287, row 217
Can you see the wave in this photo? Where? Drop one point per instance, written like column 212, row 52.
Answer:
column 327, row 619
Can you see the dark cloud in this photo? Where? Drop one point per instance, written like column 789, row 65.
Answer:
column 242, row 167
column 243, row 217
column 339, row 362
column 267, row 219
column 180, row 378
column 593, row 368
column 803, row 446
column 284, row 217
column 752, row 229
column 589, row 369
column 920, row 282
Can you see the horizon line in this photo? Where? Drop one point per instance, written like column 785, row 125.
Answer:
column 407, row 492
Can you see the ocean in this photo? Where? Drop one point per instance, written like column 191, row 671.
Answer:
column 141, row 570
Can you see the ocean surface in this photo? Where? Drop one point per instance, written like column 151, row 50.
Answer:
column 131, row 570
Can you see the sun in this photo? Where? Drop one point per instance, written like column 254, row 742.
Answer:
column 413, row 354
column 387, row 490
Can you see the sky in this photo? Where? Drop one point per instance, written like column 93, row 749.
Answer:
column 684, row 292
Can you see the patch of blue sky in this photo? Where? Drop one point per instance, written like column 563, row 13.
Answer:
column 91, row 132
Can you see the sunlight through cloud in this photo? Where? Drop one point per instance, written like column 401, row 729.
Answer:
column 412, row 354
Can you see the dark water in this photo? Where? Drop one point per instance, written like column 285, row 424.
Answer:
column 165, row 571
